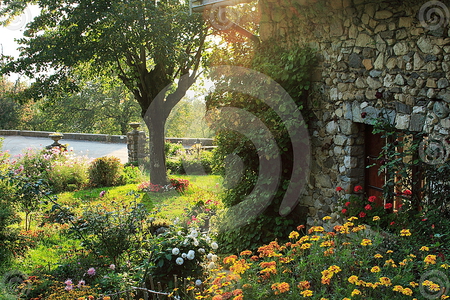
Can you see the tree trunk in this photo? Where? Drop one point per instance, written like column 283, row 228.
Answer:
column 155, row 122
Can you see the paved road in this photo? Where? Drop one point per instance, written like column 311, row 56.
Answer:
column 17, row 144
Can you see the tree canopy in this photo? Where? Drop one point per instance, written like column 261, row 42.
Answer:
column 147, row 44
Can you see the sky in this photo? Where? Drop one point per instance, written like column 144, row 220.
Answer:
column 15, row 31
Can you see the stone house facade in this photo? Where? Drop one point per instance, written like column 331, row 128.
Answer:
column 364, row 47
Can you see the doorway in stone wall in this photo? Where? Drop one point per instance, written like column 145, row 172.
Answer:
column 374, row 182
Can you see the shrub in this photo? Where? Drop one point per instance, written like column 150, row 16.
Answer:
column 131, row 174
column 179, row 251
column 105, row 171
column 68, row 174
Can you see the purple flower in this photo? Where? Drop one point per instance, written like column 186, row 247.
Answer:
column 112, row 266
column 81, row 283
column 102, row 193
column 91, row 271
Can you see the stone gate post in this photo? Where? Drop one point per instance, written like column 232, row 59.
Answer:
column 135, row 143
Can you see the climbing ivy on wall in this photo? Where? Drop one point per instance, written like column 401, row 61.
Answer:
column 291, row 68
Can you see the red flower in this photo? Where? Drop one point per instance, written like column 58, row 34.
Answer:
column 347, row 203
column 392, row 223
column 424, row 219
column 338, row 189
column 362, row 214
column 388, row 205
column 432, row 226
column 372, row 198
column 407, row 192
column 368, row 207
column 344, row 211
column 358, row 188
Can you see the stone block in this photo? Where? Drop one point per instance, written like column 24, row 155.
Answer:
column 402, row 108
column 383, row 14
column 365, row 40
column 402, row 121
column 350, row 162
column 401, row 48
column 417, row 122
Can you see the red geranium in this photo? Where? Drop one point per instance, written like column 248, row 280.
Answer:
column 362, row 214
column 338, row 189
column 358, row 188
column 372, row 198
column 392, row 223
column 344, row 211
column 368, row 207
column 388, row 205
column 347, row 203
column 407, row 192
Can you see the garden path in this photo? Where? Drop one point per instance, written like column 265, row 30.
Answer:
column 18, row 144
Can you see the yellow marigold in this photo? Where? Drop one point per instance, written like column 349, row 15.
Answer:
column 407, row 292
column 424, row 248
column 240, row 267
column 247, row 286
column 239, row 297
column 305, row 246
column 405, row 232
column 329, row 243
column 217, row 297
column 430, row 259
column 352, row 218
column 375, row 218
column 230, row 259
column 245, row 252
column 323, row 298
column 106, row 298
column 375, row 269
column 304, row 285
column 306, row 293
column 353, row 279
column 326, row 218
column 328, row 252
column 356, row 292
column 237, row 292
column 445, row 266
column 315, row 238
column 385, row 281
column 294, row 235
column 366, row 242
column 444, row 297
column 268, row 264
column 413, row 284
column 378, row 255
column 389, row 251
column 346, row 298
column 346, row 243
column 397, row 288
column 335, row 269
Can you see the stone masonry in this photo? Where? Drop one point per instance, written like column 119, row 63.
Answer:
column 364, row 47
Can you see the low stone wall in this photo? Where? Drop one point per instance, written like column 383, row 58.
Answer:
column 70, row 136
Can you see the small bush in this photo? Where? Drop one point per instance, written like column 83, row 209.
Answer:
column 69, row 174
column 105, row 171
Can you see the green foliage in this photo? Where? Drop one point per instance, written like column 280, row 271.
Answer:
column 194, row 161
column 105, row 171
column 110, row 230
column 68, row 174
column 291, row 68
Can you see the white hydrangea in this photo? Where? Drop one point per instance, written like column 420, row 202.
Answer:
column 183, row 255
column 191, row 255
column 179, row 261
column 175, row 251
column 201, row 251
column 214, row 246
column 194, row 233
column 196, row 243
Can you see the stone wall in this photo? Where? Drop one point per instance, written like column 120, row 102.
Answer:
column 375, row 57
